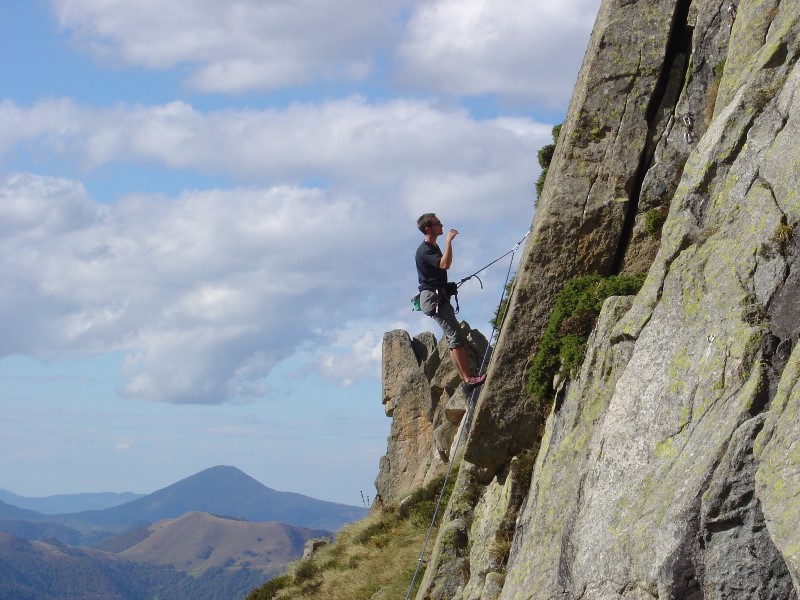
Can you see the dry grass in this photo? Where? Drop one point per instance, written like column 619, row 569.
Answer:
column 371, row 559
column 783, row 233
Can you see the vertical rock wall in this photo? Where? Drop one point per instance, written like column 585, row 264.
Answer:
column 667, row 467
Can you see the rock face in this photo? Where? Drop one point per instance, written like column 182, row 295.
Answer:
column 422, row 393
column 667, row 466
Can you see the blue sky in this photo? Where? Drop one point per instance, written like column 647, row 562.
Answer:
column 207, row 219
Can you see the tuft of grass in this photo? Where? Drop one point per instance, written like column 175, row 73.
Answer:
column 372, row 558
column 374, row 530
column 269, row 590
column 563, row 342
column 783, row 233
column 545, row 155
column 653, row 221
column 500, row 548
column 422, row 503
column 304, row 570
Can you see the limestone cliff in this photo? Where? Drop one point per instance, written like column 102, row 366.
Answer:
column 667, row 465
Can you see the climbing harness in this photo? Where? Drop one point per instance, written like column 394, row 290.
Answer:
column 498, row 325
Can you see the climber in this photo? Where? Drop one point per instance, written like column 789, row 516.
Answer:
column 435, row 292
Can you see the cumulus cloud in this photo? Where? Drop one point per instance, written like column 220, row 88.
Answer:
column 238, row 45
column 517, row 50
column 423, row 150
column 204, row 292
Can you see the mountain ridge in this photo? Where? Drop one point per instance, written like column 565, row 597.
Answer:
column 201, row 493
column 68, row 503
column 221, row 490
column 162, row 544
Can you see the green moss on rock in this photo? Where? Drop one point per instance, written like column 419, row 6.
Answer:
column 580, row 300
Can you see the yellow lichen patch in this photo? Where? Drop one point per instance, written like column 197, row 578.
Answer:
column 665, row 449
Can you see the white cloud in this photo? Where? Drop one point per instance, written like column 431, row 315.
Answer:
column 205, row 292
column 528, row 51
column 237, row 45
column 301, row 253
column 424, row 151
column 355, row 353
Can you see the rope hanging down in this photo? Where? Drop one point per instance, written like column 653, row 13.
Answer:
column 470, row 404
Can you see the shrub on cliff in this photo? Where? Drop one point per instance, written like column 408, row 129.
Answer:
column 563, row 343
column 545, row 156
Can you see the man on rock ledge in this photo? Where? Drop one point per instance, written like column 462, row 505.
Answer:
column 434, row 299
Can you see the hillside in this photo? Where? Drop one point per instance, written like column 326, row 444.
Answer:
column 371, row 559
column 199, row 541
column 636, row 437
column 197, row 555
column 35, row 530
column 43, row 571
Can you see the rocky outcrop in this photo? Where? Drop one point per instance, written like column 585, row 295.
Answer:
column 422, row 393
column 311, row 546
column 666, row 466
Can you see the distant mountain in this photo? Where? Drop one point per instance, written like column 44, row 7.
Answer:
column 31, row 525
column 7, row 511
column 46, row 571
column 30, row 530
column 181, row 551
column 68, row 503
column 199, row 541
column 224, row 491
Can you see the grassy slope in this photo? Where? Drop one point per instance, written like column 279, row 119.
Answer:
column 373, row 558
